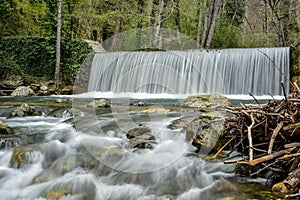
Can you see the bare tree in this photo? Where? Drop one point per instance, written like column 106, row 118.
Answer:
column 274, row 5
column 141, row 5
column 161, row 18
column 58, row 42
column 201, row 2
column 211, row 16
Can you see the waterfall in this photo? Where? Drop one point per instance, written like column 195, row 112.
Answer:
column 228, row 71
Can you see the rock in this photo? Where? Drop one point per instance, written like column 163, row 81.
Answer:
column 99, row 103
column 140, row 103
column 22, row 91
column 156, row 110
column 57, row 194
column 5, row 129
column 20, row 156
column 59, row 100
column 25, row 110
column 12, row 82
column 44, row 88
column 279, row 189
column 206, row 101
column 141, row 137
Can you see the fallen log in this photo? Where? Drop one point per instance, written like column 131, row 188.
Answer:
column 270, row 157
column 293, row 179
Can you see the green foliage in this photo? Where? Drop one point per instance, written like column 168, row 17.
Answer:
column 34, row 57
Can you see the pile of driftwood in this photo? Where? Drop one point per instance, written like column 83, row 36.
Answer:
column 268, row 136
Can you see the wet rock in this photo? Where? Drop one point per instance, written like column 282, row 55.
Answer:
column 210, row 128
column 57, row 194
column 20, row 156
column 141, row 137
column 59, row 100
column 203, row 129
column 99, row 103
column 22, row 91
column 206, row 101
column 5, row 129
column 27, row 110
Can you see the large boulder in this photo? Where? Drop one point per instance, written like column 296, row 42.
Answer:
column 203, row 130
column 5, row 129
column 22, row 91
column 141, row 137
column 205, row 101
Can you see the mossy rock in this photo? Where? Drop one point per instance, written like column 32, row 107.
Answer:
column 205, row 101
column 19, row 157
column 280, row 190
column 5, row 129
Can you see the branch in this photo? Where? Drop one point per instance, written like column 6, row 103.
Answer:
column 250, row 138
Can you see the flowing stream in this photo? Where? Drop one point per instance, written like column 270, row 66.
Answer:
column 89, row 157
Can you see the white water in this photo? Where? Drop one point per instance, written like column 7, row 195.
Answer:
column 66, row 158
column 229, row 72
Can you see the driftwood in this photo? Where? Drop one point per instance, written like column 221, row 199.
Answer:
column 293, row 180
column 268, row 136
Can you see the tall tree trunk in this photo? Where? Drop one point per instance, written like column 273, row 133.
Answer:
column 207, row 19
column 266, row 26
column 177, row 23
column 118, row 28
column 199, row 23
column 216, row 9
column 211, row 16
column 274, row 5
column 141, row 4
column 58, row 41
column 158, row 39
column 152, row 22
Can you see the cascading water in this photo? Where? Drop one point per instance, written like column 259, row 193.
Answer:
column 229, row 72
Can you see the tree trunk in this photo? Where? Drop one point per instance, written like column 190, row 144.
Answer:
column 207, row 20
column 216, row 9
column 199, row 23
column 141, row 4
column 177, row 23
column 118, row 28
column 158, row 39
column 58, row 41
column 152, row 22
column 274, row 5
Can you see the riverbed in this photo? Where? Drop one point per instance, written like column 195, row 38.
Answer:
column 73, row 151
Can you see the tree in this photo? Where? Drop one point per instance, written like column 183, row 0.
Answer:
column 201, row 2
column 58, row 41
column 211, row 15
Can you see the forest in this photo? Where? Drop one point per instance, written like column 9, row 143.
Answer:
column 211, row 24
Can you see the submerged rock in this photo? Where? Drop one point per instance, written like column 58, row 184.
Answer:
column 5, row 129
column 22, row 91
column 20, row 156
column 141, row 137
column 99, row 103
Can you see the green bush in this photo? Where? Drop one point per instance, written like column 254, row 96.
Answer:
column 34, row 57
